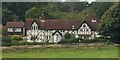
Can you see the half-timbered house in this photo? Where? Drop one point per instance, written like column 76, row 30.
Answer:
column 38, row 30
column 54, row 30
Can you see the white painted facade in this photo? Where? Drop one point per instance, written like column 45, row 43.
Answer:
column 55, row 36
column 14, row 29
column 10, row 29
column 85, row 32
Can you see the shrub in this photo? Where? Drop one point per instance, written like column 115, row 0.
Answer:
column 23, row 43
column 72, row 40
column 63, row 41
column 93, row 40
column 69, row 36
column 16, row 38
column 4, row 32
column 5, row 39
column 6, row 44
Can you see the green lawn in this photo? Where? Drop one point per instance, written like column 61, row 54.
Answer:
column 71, row 52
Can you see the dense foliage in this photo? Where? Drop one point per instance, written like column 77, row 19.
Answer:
column 5, row 39
column 16, row 38
column 17, row 11
column 110, row 27
column 69, row 38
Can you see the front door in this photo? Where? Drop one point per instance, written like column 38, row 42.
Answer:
column 56, row 37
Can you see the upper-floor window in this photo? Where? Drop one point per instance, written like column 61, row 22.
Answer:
column 34, row 26
column 81, row 29
column 87, row 29
column 84, row 25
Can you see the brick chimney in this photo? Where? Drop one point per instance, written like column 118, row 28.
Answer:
column 94, row 17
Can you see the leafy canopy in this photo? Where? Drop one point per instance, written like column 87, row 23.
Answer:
column 111, row 23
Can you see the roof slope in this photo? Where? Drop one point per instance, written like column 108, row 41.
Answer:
column 93, row 25
column 15, row 24
column 62, row 24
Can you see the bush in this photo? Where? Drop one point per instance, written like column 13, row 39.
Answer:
column 72, row 40
column 69, row 36
column 22, row 43
column 93, row 40
column 6, row 44
column 76, row 40
column 63, row 41
column 16, row 38
column 5, row 39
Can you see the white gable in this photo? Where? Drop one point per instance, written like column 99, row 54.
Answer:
column 57, row 33
column 84, row 29
column 84, row 26
column 34, row 26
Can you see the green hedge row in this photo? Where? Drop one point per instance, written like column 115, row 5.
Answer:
column 93, row 40
column 78, row 40
column 5, row 39
column 22, row 43
column 73, row 40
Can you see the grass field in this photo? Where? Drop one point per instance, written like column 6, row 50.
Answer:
column 70, row 52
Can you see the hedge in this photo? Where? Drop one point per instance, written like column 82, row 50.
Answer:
column 93, row 40
column 5, row 39
column 16, row 37
column 78, row 40
column 72, row 40
column 22, row 43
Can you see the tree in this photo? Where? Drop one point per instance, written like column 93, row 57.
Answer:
column 57, row 15
column 7, row 16
column 110, row 26
column 33, row 13
column 4, row 31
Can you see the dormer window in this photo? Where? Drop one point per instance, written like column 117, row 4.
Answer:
column 34, row 26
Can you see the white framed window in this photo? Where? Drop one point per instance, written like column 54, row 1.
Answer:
column 18, row 29
column 34, row 26
column 84, row 25
column 10, row 29
column 87, row 29
column 81, row 30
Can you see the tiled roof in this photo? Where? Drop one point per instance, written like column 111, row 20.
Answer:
column 62, row 24
column 15, row 24
column 93, row 25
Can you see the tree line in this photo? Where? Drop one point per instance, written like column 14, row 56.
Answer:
column 19, row 11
